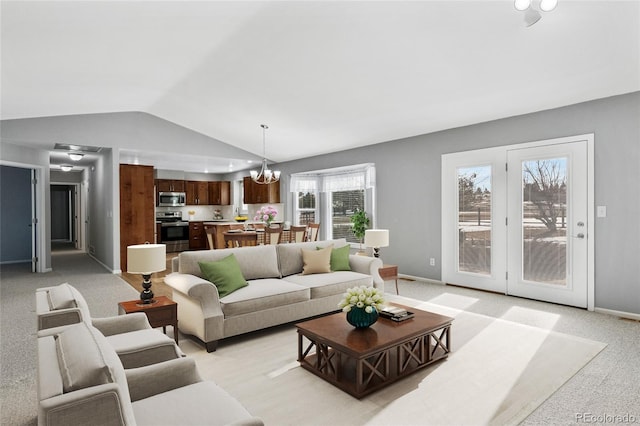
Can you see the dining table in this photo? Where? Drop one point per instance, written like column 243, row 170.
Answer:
column 251, row 237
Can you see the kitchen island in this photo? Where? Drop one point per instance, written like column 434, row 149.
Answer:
column 218, row 228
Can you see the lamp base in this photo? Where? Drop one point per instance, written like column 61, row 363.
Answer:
column 146, row 296
column 376, row 252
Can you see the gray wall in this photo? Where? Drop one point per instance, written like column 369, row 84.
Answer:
column 409, row 182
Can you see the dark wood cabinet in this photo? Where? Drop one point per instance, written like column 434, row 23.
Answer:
column 255, row 193
column 137, row 217
column 169, row 185
column 197, row 193
column 220, row 193
column 197, row 236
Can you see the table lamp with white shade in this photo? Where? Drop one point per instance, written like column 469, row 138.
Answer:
column 146, row 259
column 376, row 238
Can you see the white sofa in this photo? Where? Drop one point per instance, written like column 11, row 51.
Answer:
column 276, row 293
column 81, row 381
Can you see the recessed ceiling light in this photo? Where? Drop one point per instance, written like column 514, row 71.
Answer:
column 66, row 168
column 72, row 147
column 548, row 5
column 75, row 156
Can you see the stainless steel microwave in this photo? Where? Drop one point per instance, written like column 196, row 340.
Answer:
column 172, row 199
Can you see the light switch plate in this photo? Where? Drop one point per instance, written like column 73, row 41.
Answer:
column 602, row 211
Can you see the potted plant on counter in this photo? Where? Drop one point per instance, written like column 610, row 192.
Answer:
column 359, row 224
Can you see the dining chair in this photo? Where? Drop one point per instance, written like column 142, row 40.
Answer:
column 211, row 236
column 272, row 235
column 314, row 230
column 297, row 234
column 240, row 239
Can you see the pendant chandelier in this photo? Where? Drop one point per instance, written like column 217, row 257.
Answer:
column 265, row 176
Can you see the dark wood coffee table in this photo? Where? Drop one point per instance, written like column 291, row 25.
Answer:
column 361, row 361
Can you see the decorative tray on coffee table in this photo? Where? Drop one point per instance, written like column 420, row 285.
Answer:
column 396, row 314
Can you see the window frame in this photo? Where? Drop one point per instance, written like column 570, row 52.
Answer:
column 326, row 182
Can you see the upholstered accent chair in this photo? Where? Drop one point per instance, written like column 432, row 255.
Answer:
column 131, row 336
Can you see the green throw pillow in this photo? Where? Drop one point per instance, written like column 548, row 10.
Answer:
column 224, row 274
column 339, row 260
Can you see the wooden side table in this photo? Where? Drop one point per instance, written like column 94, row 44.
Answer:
column 162, row 313
column 389, row 272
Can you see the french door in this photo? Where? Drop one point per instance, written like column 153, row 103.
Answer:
column 516, row 220
column 548, row 225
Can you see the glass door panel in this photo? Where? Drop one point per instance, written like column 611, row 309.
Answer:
column 473, row 206
column 474, row 219
column 544, row 221
column 548, row 223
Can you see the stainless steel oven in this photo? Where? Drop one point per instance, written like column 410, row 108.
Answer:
column 174, row 232
column 172, row 199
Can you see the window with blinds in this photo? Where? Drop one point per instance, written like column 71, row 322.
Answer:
column 341, row 190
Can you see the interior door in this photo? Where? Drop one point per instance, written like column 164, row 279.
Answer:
column 548, row 223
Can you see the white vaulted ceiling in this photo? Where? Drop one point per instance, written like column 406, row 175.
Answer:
column 325, row 76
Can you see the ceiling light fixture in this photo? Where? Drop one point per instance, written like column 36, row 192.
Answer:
column 548, row 5
column 66, row 168
column 265, row 176
column 532, row 9
column 75, row 156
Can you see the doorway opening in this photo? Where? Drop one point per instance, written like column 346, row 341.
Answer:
column 66, row 229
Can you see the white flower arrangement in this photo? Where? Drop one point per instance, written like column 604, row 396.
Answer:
column 362, row 297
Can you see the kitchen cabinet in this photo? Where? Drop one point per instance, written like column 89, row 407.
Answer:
column 197, row 236
column 137, row 211
column 169, row 185
column 255, row 193
column 197, row 193
column 220, row 193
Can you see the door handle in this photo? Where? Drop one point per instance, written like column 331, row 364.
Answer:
column 580, row 235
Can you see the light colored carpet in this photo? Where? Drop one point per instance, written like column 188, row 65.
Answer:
column 500, row 370
column 498, row 373
column 18, row 358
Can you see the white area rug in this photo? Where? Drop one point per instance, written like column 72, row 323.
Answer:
column 498, row 372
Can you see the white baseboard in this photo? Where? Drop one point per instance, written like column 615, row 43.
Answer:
column 427, row 280
column 621, row 314
column 113, row 271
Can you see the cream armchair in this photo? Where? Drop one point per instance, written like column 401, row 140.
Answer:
column 81, row 380
column 131, row 336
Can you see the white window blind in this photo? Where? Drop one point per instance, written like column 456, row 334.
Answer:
column 304, row 184
column 351, row 178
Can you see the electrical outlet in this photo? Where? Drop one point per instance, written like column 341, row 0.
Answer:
column 432, row 261
column 602, row 211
